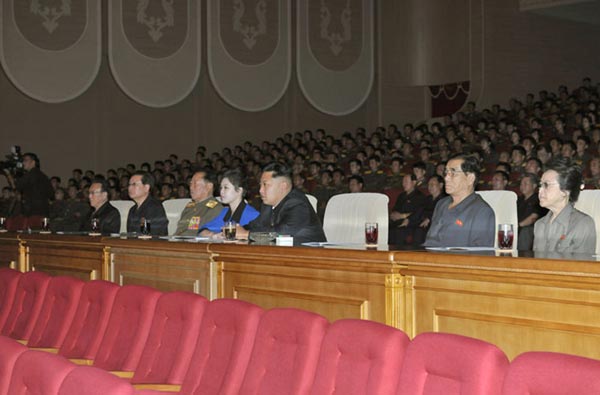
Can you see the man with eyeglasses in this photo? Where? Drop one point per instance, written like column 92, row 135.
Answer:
column 108, row 217
column 462, row 219
column 203, row 208
column 146, row 207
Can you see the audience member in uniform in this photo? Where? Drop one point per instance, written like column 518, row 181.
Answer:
column 203, row 208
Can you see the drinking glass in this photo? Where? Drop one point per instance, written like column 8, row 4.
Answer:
column 45, row 224
column 144, row 227
column 95, row 225
column 371, row 233
column 2, row 223
column 505, row 236
column 229, row 230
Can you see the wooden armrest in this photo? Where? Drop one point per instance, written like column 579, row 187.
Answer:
column 45, row 349
column 79, row 361
column 158, row 387
column 22, row 341
column 122, row 374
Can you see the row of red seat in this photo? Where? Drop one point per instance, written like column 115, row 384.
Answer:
column 229, row 346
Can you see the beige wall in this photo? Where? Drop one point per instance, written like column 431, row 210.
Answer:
column 503, row 51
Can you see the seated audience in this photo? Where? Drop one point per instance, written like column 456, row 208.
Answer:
column 355, row 184
column 528, row 210
column 203, row 208
column 285, row 210
column 435, row 185
column 233, row 190
column 407, row 213
column 564, row 228
column 462, row 219
column 146, row 208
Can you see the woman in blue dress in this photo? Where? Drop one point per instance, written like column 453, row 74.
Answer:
column 232, row 191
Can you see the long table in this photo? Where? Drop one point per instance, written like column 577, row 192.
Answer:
column 519, row 303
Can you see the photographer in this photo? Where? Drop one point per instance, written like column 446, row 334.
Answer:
column 35, row 190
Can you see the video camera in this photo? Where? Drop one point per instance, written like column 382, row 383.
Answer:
column 14, row 160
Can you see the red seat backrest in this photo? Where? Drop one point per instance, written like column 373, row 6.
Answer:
column 223, row 350
column 87, row 380
column 9, row 280
column 552, row 374
column 38, row 372
column 90, row 320
column 444, row 363
column 56, row 316
column 360, row 357
column 285, row 353
column 128, row 328
column 27, row 304
column 172, row 339
column 10, row 351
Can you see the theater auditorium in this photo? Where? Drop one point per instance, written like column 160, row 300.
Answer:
column 299, row 197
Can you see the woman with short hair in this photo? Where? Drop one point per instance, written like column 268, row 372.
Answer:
column 564, row 228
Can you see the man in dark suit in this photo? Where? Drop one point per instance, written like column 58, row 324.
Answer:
column 285, row 210
column 107, row 216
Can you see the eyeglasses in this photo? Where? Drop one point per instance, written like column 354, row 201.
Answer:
column 135, row 184
column 451, row 172
column 546, row 184
column 94, row 192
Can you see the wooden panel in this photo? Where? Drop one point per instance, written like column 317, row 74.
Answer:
column 9, row 250
column 79, row 256
column 335, row 283
column 163, row 265
column 553, row 308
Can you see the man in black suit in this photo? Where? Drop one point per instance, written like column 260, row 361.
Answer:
column 108, row 217
column 285, row 210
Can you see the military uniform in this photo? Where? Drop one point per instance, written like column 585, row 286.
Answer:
column 374, row 180
column 196, row 214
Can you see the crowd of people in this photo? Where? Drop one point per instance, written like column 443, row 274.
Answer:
column 503, row 148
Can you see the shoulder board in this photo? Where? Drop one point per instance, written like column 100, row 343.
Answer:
column 190, row 204
column 212, row 204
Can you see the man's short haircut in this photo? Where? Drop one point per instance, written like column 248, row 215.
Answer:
column 504, row 175
column 209, row 175
column 103, row 184
column 537, row 161
column 147, row 178
column 545, row 147
column 569, row 176
column 358, row 179
column 279, row 170
column 520, row 149
column 420, row 165
column 33, row 157
column 439, row 179
column 533, row 177
column 469, row 164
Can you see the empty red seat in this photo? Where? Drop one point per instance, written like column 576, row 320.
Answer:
column 551, row 373
column 10, row 350
column 172, row 339
column 87, row 380
column 38, row 372
column 9, row 279
column 443, row 363
column 285, row 353
column 26, row 306
column 128, row 328
column 360, row 357
column 56, row 316
column 223, row 350
column 90, row 321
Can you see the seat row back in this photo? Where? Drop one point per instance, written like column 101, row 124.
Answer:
column 232, row 347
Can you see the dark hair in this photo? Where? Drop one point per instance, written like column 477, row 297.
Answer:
column 103, row 184
column 358, row 179
column 569, row 177
column 469, row 164
column 504, row 174
column 279, row 170
column 33, row 157
column 237, row 179
column 533, row 177
column 520, row 149
column 506, row 166
column 147, row 178
column 420, row 165
column 209, row 175
column 439, row 179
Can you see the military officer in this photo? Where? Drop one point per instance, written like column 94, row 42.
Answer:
column 203, row 207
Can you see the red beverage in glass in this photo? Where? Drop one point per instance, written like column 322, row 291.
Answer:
column 505, row 239
column 371, row 233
